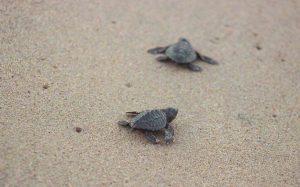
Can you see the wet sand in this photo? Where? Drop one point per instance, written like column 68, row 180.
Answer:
column 84, row 64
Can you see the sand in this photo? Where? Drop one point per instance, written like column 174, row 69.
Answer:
column 68, row 64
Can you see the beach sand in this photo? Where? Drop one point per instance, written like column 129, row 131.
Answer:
column 68, row 64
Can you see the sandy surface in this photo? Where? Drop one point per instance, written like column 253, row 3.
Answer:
column 84, row 63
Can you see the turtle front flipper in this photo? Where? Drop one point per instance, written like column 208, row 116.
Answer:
column 206, row 59
column 163, row 59
column 194, row 67
column 169, row 134
column 132, row 114
column 158, row 50
column 123, row 123
column 151, row 137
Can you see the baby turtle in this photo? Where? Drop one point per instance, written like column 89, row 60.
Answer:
column 153, row 120
column 181, row 53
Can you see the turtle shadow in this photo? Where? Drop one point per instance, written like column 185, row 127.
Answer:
column 177, row 67
column 139, row 134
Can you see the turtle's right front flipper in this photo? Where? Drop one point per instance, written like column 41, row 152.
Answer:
column 194, row 67
column 169, row 134
column 132, row 114
column 158, row 50
column 151, row 137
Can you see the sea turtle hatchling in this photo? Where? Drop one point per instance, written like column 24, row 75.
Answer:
column 181, row 53
column 153, row 120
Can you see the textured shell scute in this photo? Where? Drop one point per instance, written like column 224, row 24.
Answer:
column 149, row 120
column 181, row 52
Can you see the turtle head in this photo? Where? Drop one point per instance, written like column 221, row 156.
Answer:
column 171, row 113
column 183, row 40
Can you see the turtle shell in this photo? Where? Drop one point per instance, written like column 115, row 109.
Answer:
column 181, row 52
column 149, row 120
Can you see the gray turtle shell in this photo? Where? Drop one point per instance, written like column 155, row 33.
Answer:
column 181, row 52
column 149, row 120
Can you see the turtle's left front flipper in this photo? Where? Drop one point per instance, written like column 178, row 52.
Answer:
column 123, row 123
column 157, row 50
column 206, row 59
